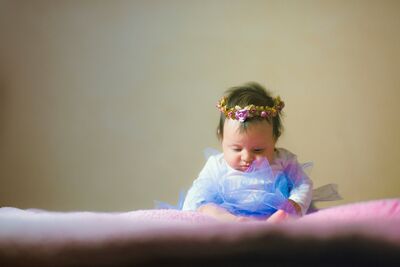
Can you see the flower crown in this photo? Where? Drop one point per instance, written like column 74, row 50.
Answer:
column 250, row 111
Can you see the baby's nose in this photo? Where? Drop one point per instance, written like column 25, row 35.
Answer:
column 247, row 157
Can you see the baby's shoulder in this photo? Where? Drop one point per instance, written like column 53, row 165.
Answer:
column 215, row 160
column 214, row 166
column 282, row 159
column 282, row 155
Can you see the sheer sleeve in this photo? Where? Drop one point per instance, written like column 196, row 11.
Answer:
column 205, row 187
column 301, row 192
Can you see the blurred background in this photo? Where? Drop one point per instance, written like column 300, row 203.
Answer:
column 108, row 105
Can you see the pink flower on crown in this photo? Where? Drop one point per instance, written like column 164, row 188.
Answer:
column 242, row 114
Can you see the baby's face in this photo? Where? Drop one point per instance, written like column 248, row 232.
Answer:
column 242, row 148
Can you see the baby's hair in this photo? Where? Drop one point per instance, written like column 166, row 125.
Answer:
column 250, row 93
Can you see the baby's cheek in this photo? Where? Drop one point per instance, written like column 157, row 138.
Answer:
column 230, row 159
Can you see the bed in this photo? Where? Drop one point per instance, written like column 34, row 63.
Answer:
column 357, row 234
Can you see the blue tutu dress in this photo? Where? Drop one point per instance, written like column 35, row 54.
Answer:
column 256, row 192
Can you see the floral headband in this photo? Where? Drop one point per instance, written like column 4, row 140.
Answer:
column 250, row 111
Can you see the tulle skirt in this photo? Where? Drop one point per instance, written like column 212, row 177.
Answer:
column 256, row 192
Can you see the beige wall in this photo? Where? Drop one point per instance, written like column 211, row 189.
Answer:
column 107, row 105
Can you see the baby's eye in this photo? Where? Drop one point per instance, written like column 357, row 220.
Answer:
column 237, row 149
column 258, row 150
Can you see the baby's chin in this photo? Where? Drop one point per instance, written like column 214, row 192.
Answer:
column 260, row 163
column 240, row 168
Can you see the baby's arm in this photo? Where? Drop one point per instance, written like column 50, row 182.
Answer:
column 297, row 204
column 300, row 197
column 296, row 207
column 301, row 194
column 204, row 190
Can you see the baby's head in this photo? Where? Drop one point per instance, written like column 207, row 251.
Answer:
column 249, row 125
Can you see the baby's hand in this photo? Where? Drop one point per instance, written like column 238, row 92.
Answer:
column 278, row 216
column 243, row 219
column 281, row 215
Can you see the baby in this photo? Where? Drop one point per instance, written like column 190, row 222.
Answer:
column 251, row 179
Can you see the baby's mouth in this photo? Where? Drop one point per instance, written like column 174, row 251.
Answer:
column 244, row 168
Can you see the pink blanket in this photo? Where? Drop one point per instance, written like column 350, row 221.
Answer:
column 367, row 231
